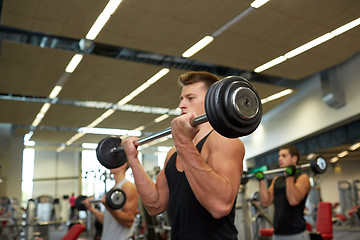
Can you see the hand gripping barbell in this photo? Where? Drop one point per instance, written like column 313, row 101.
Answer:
column 232, row 107
column 317, row 165
column 115, row 199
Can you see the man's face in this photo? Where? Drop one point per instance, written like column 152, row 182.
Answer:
column 285, row 159
column 192, row 98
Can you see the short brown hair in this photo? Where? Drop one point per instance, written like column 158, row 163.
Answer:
column 192, row 77
column 293, row 151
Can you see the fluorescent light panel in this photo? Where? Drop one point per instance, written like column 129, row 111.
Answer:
column 74, row 63
column 55, row 92
column 144, row 86
column 109, row 131
column 334, row 159
column 277, row 96
column 102, row 19
column 354, row 146
column 258, row 3
column 198, row 46
column 343, row 154
column 305, row 47
column 161, row 118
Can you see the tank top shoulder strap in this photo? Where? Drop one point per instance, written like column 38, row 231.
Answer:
column 202, row 141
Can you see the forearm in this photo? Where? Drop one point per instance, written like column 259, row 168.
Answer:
column 213, row 191
column 265, row 197
column 146, row 188
column 99, row 215
column 293, row 194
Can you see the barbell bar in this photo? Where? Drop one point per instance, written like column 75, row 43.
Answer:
column 317, row 165
column 115, row 199
column 232, row 107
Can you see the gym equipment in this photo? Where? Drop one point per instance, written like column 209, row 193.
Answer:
column 115, row 199
column 232, row 107
column 317, row 164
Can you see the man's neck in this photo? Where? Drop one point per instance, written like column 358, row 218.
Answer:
column 119, row 177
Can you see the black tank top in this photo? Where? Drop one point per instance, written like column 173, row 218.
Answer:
column 189, row 220
column 287, row 219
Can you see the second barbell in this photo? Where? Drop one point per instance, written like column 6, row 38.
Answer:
column 316, row 164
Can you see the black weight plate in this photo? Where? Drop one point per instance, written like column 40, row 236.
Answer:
column 243, row 106
column 219, row 115
column 213, row 116
column 78, row 203
column 107, row 158
column 318, row 164
column 115, row 198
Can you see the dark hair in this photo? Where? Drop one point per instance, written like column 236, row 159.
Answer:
column 293, row 151
column 193, row 77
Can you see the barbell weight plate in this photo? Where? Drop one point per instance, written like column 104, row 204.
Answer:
column 228, row 119
column 318, row 164
column 79, row 203
column 106, row 157
column 243, row 106
column 115, row 198
column 244, row 178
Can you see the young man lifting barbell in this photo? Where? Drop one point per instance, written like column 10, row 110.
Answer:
column 288, row 193
column 201, row 176
column 117, row 223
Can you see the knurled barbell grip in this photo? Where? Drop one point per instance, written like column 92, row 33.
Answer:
column 193, row 122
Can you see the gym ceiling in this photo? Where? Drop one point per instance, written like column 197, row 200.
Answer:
column 38, row 38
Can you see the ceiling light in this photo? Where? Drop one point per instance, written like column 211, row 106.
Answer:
column 343, row 154
column 97, row 26
column 102, row 19
column 28, row 136
column 62, row 147
column 108, row 113
column 198, row 46
column 89, row 145
column 109, row 131
column 310, row 156
column 144, row 86
column 29, row 143
column 74, row 138
column 112, row 6
column 270, row 64
column 354, row 146
column 158, row 75
column 309, row 45
column 73, row 63
column 161, row 118
column 334, row 159
column 55, row 92
column 258, row 3
column 95, row 122
column 139, row 128
column 45, row 108
column 276, row 96
column 36, row 122
column 346, row 27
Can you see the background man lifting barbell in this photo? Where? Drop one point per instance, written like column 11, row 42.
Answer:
column 201, row 175
column 117, row 223
column 288, row 193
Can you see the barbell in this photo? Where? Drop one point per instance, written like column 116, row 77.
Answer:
column 115, row 199
column 232, row 107
column 317, row 165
